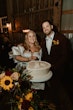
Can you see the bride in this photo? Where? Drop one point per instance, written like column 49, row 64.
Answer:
column 28, row 51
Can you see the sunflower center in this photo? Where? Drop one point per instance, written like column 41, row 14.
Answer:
column 7, row 82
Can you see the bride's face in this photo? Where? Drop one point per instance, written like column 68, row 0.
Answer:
column 31, row 38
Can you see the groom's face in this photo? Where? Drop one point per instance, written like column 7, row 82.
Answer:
column 47, row 27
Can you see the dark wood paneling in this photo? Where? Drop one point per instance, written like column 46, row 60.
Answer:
column 31, row 14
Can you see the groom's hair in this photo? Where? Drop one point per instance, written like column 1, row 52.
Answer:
column 55, row 29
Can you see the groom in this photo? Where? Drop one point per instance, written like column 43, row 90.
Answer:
column 56, row 49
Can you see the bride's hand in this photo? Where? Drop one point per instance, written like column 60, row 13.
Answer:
column 34, row 57
column 31, row 58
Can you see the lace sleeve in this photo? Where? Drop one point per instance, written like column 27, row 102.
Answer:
column 15, row 50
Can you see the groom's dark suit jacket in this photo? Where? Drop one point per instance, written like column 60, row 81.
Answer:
column 60, row 53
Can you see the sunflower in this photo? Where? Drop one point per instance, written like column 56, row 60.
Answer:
column 20, row 103
column 29, row 96
column 30, row 108
column 6, row 83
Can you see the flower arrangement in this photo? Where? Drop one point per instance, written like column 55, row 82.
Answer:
column 13, row 83
column 15, row 88
column 56, row 42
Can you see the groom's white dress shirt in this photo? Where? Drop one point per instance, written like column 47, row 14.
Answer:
column 49, row 42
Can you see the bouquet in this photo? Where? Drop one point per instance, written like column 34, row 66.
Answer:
column 15, row 86
column 15, row 89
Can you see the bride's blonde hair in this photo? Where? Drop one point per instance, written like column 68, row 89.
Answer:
column 26, row 42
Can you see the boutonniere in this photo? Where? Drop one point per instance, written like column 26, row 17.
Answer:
column 56, row 42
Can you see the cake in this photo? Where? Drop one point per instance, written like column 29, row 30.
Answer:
column 39, row 70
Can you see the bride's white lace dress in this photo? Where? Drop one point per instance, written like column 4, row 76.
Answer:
column 19, row 50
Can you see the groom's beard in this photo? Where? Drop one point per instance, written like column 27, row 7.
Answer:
column 49, row 33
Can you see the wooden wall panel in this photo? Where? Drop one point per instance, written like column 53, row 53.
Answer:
column 30, row 14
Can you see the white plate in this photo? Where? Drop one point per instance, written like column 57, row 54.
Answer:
column 43, row 78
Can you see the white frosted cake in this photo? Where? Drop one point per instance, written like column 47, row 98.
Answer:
column 39, row 71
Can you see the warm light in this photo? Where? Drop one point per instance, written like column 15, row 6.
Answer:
column 9, row 26
column 26, row 30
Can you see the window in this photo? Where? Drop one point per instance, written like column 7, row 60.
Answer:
column 3, row 27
